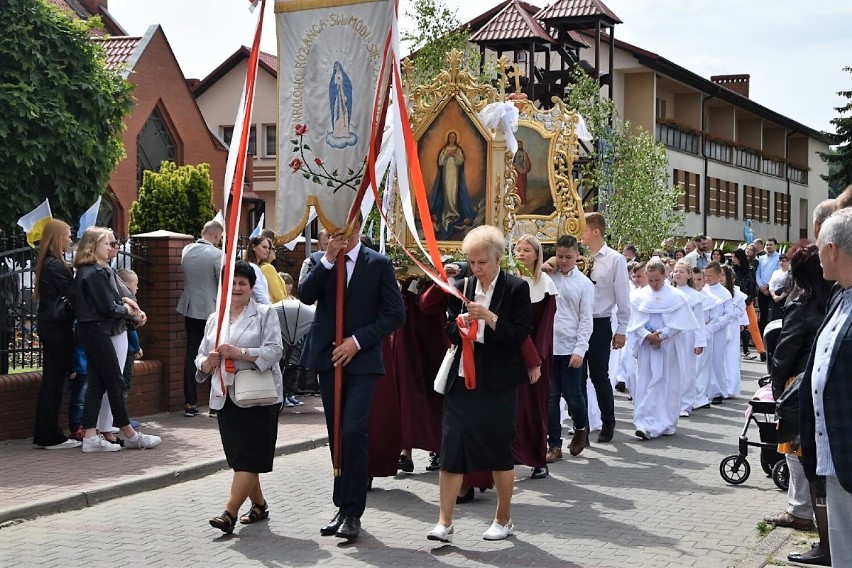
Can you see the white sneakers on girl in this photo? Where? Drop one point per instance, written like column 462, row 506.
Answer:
column 441, row 533
column 98, row 444
column 499, row 532
column 142, row 441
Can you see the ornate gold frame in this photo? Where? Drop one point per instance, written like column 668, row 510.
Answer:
column 428, row 102
column 558, row 125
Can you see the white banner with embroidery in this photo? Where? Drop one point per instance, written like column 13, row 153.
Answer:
column 331, row 76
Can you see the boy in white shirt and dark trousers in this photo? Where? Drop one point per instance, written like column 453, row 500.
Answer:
column 572, row 328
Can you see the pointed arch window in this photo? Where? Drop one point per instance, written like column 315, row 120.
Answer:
column 153, row 145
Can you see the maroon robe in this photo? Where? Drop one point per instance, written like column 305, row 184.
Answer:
column 385, row 440
column 530, row 444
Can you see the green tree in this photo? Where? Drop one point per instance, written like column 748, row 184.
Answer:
column 177, row 198
column 839, row 159
column 437, row 31
column 62, row 112
column 630, row 170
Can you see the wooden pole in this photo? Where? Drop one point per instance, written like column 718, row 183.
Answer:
column 336, row 451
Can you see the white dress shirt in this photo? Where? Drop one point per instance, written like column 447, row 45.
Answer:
column 572, row 324
column 484, row 299
column 612, row 287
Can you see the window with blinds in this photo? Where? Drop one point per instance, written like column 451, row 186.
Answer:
column 690, row 190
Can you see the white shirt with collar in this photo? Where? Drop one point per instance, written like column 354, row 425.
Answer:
column 612, row 287
column 572, row 324
column 351, row 259
column 482, row 298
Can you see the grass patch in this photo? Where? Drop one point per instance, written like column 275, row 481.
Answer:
column 764, row 528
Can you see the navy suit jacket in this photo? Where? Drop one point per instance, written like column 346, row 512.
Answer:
column 837, row 402
column 373, row 309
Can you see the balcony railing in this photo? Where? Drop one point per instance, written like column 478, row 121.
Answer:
column 677, row 139
column 773, row 168
column 718, row 151
column 797, row 175
column 747, row 159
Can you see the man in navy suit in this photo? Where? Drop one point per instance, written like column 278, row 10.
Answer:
column 373, row 309
column 825, row 395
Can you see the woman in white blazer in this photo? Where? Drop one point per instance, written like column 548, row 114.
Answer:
column 248, row 434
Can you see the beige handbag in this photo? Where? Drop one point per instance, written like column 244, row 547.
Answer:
column 255, row 388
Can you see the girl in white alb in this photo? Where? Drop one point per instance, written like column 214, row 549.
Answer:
column 719, row 331
column 659, row 317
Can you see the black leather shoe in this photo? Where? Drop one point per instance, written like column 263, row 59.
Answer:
column 607, row 431
column 406, row 464
column 621, row 386
column 466, row 497
column 814, row 556
column 539, row 472
column 434, row 462
column 349, row 527
column 332, row 526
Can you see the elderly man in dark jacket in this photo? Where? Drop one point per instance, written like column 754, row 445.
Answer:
column 826, row 391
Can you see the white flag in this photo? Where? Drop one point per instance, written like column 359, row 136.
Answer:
column 89, row 218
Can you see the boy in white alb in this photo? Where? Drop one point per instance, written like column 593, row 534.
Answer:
column 719, row 330
column 695, row 341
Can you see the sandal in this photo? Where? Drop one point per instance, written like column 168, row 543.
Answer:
column 224, row 522
column 786, row 519
column 255, row 514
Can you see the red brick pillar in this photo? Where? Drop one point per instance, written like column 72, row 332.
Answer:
column 163, row 338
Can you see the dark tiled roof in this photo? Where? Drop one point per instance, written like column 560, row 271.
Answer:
column 118, row 50
column 562, row 9
column 513, row 22
column 270, row 60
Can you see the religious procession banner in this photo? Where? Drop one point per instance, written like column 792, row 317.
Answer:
column 333, row 78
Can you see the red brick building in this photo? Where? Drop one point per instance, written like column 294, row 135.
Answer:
column 165, row 123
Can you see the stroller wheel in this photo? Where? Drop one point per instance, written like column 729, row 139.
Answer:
column 734, row 469
column 781, row 475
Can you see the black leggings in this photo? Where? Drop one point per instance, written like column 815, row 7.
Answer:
column 104, row 376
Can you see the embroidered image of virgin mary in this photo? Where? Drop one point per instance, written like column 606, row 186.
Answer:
column 340, row 107
column 449, row 203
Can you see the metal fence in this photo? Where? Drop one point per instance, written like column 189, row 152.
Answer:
column 19, row 343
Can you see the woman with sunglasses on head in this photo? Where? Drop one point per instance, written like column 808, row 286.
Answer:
column 53, row 281
column 103, row 314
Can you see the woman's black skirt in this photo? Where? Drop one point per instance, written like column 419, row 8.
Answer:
column 248, row 436
column 478, row 429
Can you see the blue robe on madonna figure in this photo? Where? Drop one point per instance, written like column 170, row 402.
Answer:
column 449, row 202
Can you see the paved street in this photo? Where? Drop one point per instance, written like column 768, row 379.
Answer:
column 630, row 503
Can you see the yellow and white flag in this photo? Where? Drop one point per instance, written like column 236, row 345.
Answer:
column 333, row 73
column 34, row 221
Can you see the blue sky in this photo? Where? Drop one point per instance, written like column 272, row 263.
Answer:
column 793, row 51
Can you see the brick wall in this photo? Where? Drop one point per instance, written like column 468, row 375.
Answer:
column 164, row 337
column 18, row 395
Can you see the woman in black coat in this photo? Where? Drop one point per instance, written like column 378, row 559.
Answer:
column 53, row 280
column 802, row 319
column 480, row 408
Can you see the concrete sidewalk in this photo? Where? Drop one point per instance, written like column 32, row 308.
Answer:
column 36, row 482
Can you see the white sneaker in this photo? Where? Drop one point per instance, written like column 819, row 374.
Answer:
column 499, row 532
column 98, row 444
column 441, row 533
column 643, row 434
column 684, row 414
column 69, row 443
column 113, row 430
column 142, row 441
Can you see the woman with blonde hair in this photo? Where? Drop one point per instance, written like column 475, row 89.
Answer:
column 530, row 445
column 102, row 318
column 53, row 282
column 480, row 404
column 275, row 284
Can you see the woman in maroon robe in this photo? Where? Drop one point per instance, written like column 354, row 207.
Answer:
column 530, row 444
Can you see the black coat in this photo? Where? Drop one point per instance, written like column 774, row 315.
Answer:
column 95, row 297
column 499, row 362
column 55, row 281
column 798, row 333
